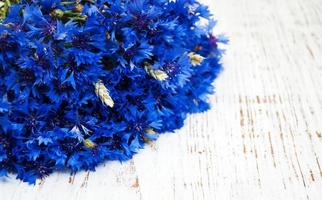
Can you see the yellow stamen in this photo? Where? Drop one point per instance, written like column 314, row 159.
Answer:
column 89, row 144
column 79, row 8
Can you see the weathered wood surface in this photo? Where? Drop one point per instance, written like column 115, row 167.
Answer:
column 261, row 140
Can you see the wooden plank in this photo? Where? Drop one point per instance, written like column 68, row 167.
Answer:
column 261, row 140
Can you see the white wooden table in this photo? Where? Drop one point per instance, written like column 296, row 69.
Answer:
column 261, row 140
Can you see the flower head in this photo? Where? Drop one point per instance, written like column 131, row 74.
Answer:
column 86, row 81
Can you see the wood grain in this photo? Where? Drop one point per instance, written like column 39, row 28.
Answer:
column 261, row 140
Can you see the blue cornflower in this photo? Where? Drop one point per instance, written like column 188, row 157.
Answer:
column 86, row 81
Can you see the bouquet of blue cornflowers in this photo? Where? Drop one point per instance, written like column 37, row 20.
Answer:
column 83, row 81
